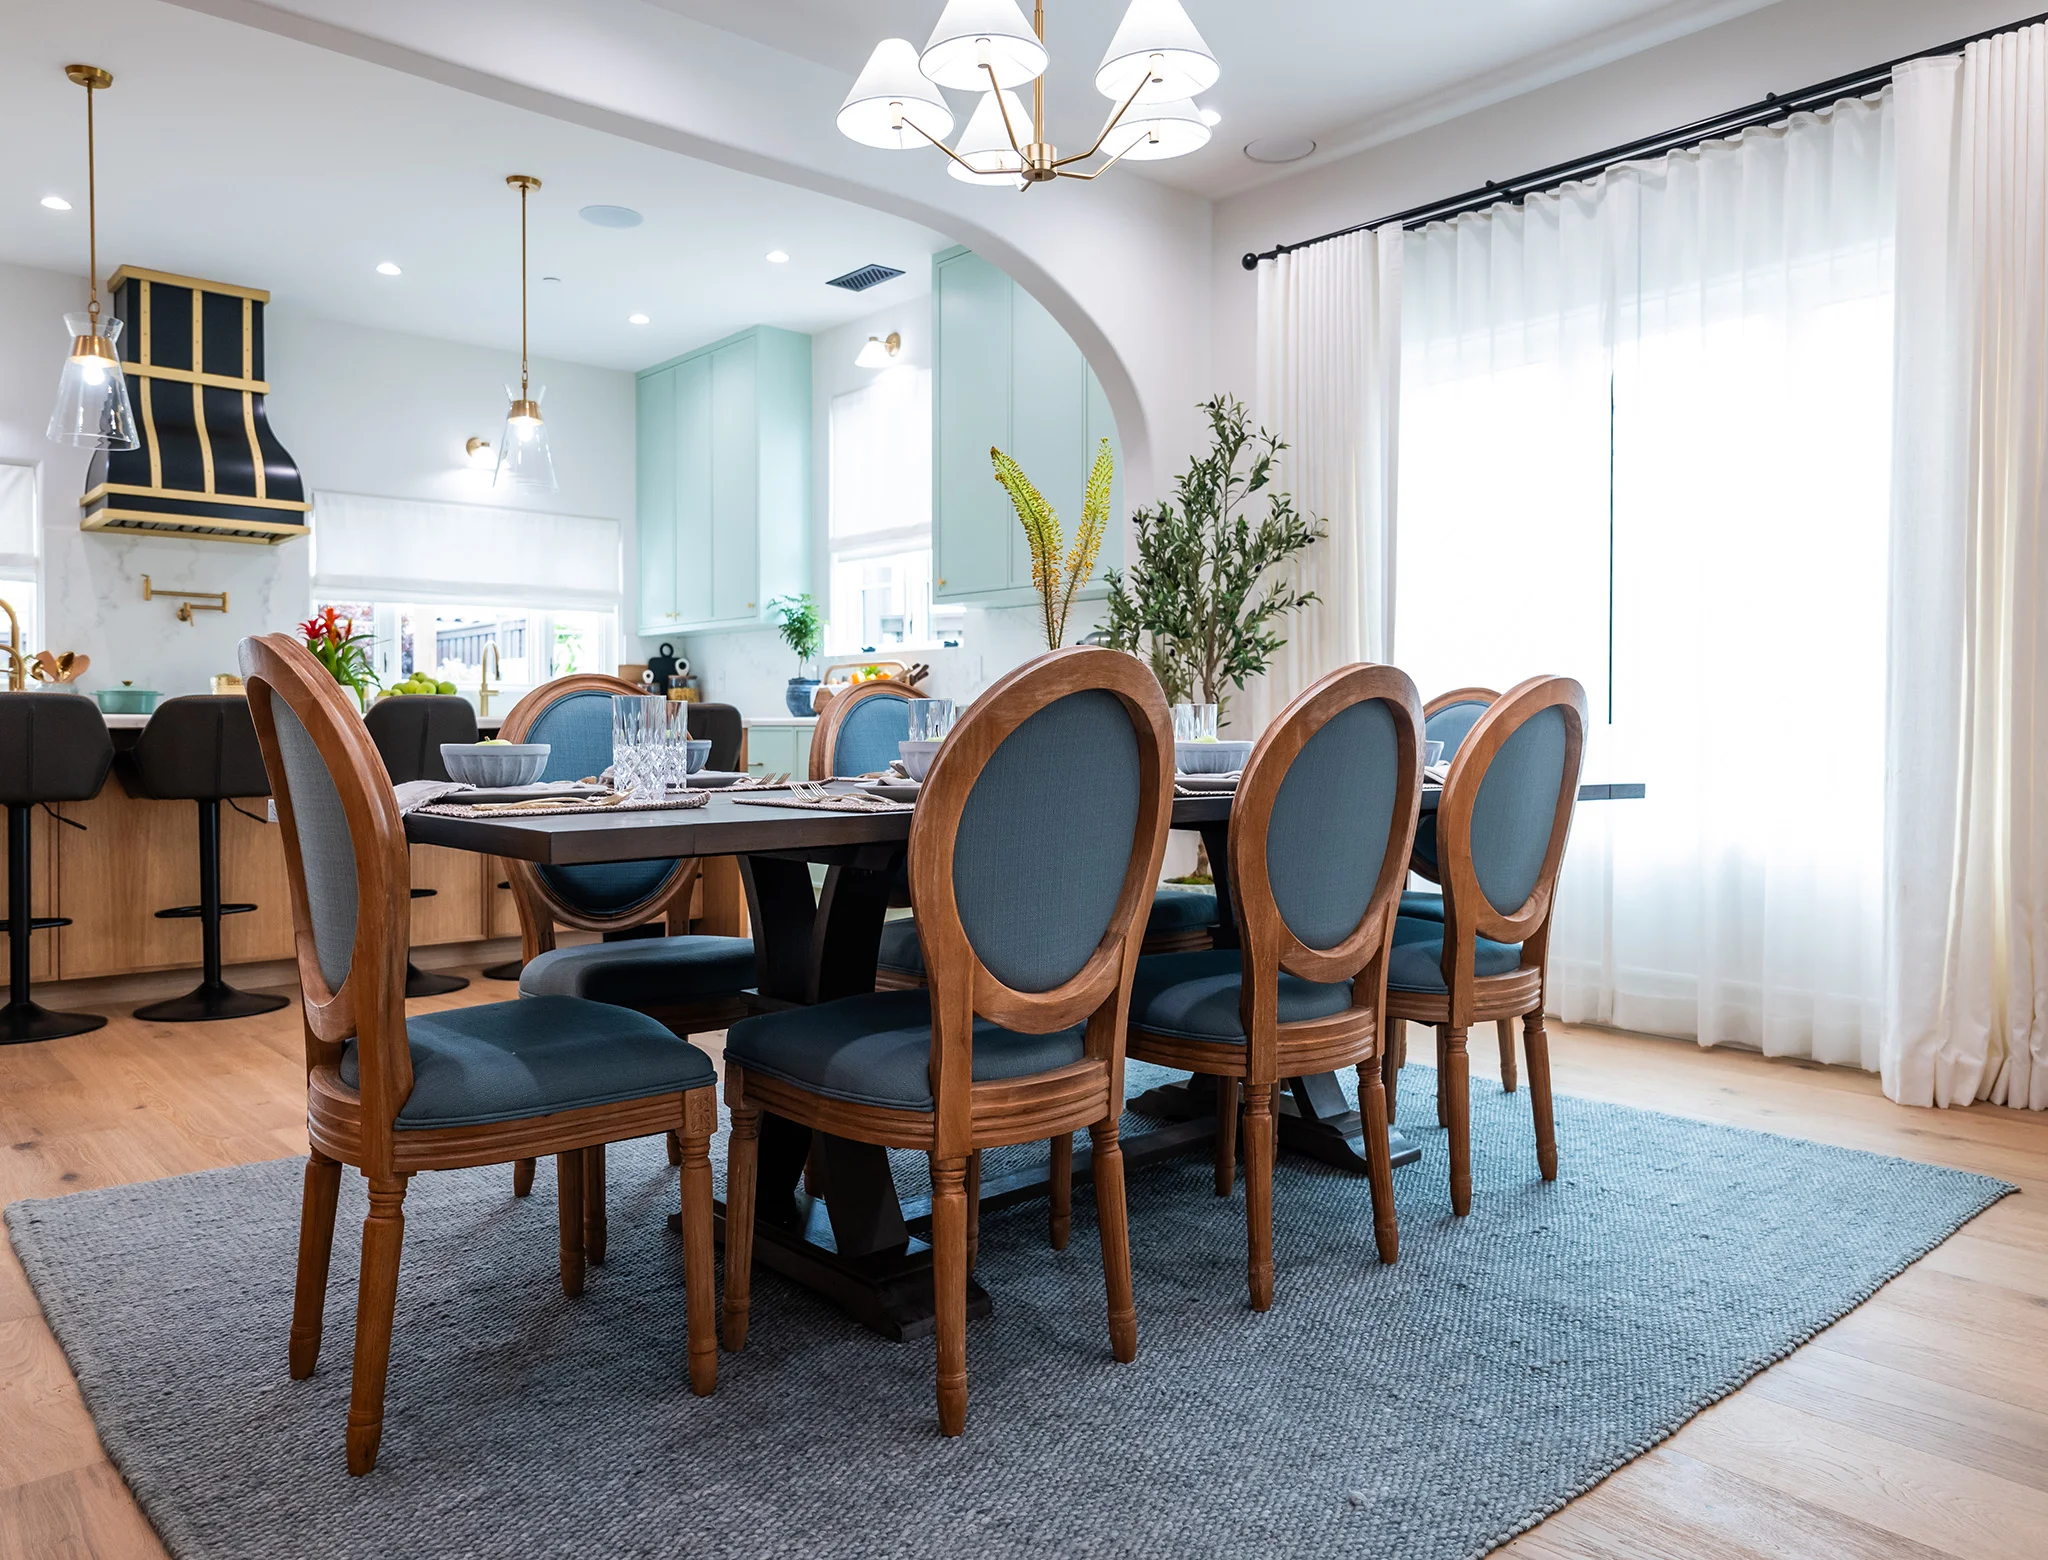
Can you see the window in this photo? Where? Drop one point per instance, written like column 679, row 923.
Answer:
column 18, row 550
column 448, row 642
column 880, row 527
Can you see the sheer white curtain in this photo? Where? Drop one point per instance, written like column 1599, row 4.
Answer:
column 1967, row 928
column 1329, row 385
column 1646, row 443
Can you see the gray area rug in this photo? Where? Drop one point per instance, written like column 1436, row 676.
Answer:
column 1430, row 1410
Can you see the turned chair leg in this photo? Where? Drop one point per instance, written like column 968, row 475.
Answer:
column 522, row 1177
column 1226, row 1135
column 1506, row 1027
column 1258, row 1191
column 316, row 1248
column 1379, row 1162
column 569, row 1218
column 1060, row 1186
column 1390, row 1065
column 949, row 1288
column 1536, row 1044
column 594, row 1222
column 700, row 1117
column 376, row 1302
column 1454, row 1097
column 1113, row 1226
column 1443, row 1109
column 973, row 1209
column 742, row 1163
column 675, row 1149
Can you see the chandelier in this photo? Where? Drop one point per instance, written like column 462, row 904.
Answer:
column 1155, row 65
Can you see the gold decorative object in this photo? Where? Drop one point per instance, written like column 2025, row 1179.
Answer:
column 54, row 667
column 189, row 601
column 1055, row 582
column 227, row 683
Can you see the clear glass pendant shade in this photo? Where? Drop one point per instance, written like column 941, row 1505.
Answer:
column 1156, row 36
column 92, row 395
column 523, row 458
column 986, row 143
column 1153, row 132
column 971, row 31
column 891, row 95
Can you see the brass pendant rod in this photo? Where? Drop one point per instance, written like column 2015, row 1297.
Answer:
column 1037, row 82
column 522, row 292
column 92, row 216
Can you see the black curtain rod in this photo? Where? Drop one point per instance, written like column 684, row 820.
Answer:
column 1773, row 107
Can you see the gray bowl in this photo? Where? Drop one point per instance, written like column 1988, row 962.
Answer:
column 514, row 763
column 1210, row 758
column 698, row 754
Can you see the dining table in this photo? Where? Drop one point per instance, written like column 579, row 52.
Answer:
column 829, row 1214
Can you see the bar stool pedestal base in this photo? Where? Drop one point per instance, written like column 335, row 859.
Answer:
column 209, row 1000
column 24, row 1022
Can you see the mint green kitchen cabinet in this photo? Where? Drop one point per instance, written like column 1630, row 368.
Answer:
column 724, row 500
column 783, row 748
column 1006, row 374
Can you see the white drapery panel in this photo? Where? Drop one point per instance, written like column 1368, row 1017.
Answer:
column 397, row 549
column 1646, row 444
column 1329, row 363
column 1966, row 933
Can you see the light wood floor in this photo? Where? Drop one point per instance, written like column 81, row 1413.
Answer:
column 1917, row 1426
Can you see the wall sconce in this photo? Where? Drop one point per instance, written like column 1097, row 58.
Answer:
column 479, row 452
column 880, row 351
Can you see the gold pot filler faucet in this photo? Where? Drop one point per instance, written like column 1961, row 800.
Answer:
column 17, row 664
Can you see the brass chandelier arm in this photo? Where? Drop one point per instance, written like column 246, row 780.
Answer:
column 1115, row 119
column 942, row 146
column 1004, row 109
column 1096, row 173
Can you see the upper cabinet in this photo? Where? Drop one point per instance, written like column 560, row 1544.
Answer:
column 1006, row 374
column 724, row 482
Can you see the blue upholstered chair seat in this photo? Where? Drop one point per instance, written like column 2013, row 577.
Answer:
column 900, row 949
column 508, row 1060
column 643, row 972
column 876, row 1049
column 1176, row 909
column 1194, row 996
column 1422, row 904
column 1416, row 963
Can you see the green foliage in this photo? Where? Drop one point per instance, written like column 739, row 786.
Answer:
column 1056, row 577
column 801, row 627
column 1196, row 603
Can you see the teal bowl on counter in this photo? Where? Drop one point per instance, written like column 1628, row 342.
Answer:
column 126, row 701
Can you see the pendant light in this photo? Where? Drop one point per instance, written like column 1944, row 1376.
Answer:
column 92, row 395
column 523, row 458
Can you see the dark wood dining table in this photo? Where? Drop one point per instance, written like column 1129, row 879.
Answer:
column 842, row 1229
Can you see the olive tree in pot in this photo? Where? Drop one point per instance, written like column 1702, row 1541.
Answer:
column 804, row 633
column 1198, row 604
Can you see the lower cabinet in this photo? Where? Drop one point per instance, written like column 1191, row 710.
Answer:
column 775, row 750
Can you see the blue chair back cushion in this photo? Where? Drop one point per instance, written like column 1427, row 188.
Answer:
column 1452, row 724
column 868, row 741
column 1417, row 960
column 1515, row 809
column 326, row 849
column 1331, row 821
column 1045, row 840
column 578, row 730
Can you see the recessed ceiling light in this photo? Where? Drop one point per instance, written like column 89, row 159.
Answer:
column 636, row 319
column 56, row 203
column 611, row 216
column 1279, row 148
column 1211, row 118
column 777, row 257
column 386, row 268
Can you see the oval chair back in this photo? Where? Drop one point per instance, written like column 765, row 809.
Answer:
column 1031, row 906
column 1448, row 718
column 1502, row 824
column 573, row 715
column 858, row 730
column 1319, row 843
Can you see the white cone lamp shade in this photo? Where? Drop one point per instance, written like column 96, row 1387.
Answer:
column 891, row 96
column 1153, row 132
column 92, row 393
column 1156, row 37
column 971, row 31
column 523, row 458
column 986, row 143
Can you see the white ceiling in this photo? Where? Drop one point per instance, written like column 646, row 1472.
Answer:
column 1347, row 73
column 237, row 155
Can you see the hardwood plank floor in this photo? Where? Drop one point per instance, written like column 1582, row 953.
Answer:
column 1916, row 1428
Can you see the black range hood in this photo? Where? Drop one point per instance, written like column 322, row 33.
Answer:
column 208, row 465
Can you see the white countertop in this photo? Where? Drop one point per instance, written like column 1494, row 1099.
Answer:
column 750, row 721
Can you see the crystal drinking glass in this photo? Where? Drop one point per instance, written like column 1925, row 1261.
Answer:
column 639, row 730
column 1194, row 723
column 930, row 719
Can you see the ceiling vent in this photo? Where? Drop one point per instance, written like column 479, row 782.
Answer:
column 867, row 276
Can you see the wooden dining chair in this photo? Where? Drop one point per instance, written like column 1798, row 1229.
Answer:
column 1501, row 826
column 443, row 1091
column 1319, row 840
column 693, row 984
column 858, row 731
column 1033, row 852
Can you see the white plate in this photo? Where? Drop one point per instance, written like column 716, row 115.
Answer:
column 714, row 779
column 1219, row 783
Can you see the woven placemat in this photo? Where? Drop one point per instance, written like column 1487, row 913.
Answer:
column 846, row 806
column 528, row 810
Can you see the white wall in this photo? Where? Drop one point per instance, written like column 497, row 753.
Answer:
column 1781, row 48
column 361, row 411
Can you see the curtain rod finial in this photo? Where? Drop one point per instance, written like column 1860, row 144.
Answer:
column 1251, row 262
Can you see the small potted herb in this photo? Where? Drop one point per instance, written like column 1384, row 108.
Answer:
column 803, row 632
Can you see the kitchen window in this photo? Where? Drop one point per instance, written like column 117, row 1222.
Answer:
column 18, row 552
column 448, row 642
column 880, row 518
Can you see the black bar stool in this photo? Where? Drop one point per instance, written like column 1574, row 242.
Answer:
column 203, row 749
column 409, row 730
column 53, row 748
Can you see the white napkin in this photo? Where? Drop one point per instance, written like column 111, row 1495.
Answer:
column 415, row 794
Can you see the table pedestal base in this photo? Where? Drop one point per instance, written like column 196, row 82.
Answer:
column 1314, row 1119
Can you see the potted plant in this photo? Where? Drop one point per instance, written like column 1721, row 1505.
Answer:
column 336, row 645
column 1197, row 603
column 1056, row 572
column 803, row 632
